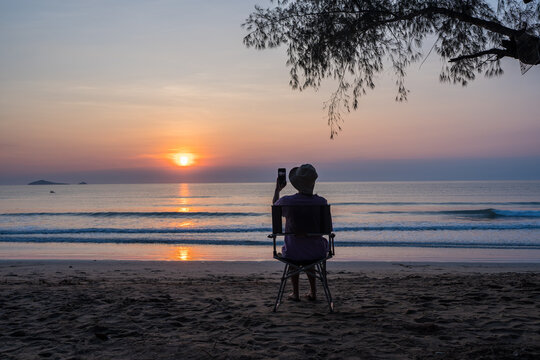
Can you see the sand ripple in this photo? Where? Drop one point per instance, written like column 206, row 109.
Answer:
column 142, row 312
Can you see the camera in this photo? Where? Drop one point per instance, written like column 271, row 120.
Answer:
column 282, row 179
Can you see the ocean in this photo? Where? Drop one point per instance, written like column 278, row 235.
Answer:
column 469, row 221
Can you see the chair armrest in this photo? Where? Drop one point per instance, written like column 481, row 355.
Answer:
column 331, row 244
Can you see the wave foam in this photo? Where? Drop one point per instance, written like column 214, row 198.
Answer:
column 477, row 213
column 408, row 244
column 378, row 228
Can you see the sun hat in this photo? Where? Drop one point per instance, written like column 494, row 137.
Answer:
column 303, row 178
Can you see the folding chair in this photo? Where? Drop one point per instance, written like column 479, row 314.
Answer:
column 309, row 220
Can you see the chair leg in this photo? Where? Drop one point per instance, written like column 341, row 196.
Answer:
column 321, row 268
column 284, row 278
column 331, row 302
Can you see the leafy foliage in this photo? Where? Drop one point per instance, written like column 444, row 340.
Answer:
column 352, row 40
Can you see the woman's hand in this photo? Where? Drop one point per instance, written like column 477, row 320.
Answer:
column 280, row 185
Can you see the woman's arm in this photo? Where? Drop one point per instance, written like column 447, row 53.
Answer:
column 279, row 187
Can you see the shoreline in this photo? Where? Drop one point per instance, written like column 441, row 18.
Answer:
column 243, row 268
column 168, row 252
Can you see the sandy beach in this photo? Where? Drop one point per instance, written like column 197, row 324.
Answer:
column 222, row 310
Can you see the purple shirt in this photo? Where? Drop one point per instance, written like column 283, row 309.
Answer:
column 305, row 247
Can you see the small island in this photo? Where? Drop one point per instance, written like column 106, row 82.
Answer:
column 45, row 182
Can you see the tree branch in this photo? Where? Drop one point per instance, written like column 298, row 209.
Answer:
column 430, row 10
column 499, row 52
column 486, row 24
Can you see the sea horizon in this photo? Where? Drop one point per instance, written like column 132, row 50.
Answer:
column 60, row 183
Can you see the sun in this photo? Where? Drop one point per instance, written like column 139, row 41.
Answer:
column 182, row 159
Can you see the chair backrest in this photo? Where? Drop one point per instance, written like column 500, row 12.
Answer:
column 302, row 219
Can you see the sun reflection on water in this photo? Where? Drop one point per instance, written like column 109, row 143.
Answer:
column 183, row 197
column 183, row 190
column 175, row 224
column 182, row 253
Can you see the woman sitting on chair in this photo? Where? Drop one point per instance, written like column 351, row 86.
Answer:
column 301, row 248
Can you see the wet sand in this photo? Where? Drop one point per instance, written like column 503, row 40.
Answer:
column 222, row 310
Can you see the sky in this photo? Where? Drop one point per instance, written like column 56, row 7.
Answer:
column 109, row 91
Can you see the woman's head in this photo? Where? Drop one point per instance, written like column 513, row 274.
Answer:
column 303, row 178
